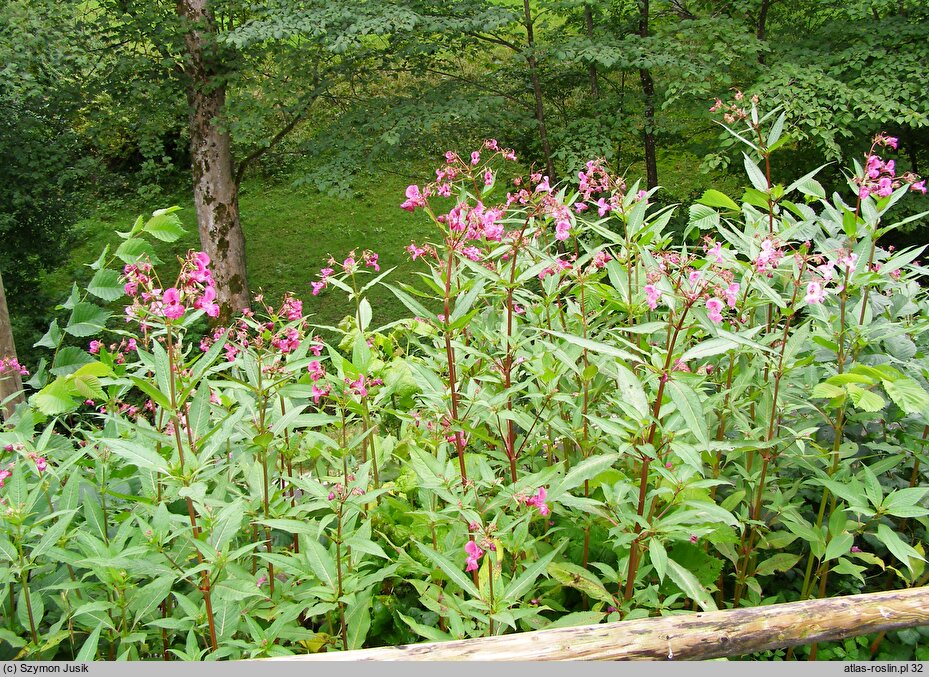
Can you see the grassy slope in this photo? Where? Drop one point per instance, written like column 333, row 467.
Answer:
column 289, row 234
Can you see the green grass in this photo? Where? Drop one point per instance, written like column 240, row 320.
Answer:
column 290, row 232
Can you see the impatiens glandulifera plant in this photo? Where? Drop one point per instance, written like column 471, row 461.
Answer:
column 582, row 420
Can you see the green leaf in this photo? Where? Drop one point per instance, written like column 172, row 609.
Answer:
column 573, row 576
column 755, row 175
column 902, row 551
column 902, row 503
column 714, row 198
column 69, row 359
column 630, row 389
column 358, row 619
column 156, row 395
column 865, row 399
column 134, row 249
column 838, row 546
column 782, row 561
column 454, row 573
column 164, row 225
column 519, row 586
column 88, row 651
column 659, row 557
column 228, row 524
column 690, row 586
column 427, row 631
column 587, row 469
column 86, row 319
column 690, row 408
column 139, row 455
column 51, row 338
column 149, row 596
column 105, row 285
column 594, row 346
column 907, row 394
column 321, row 563
column 58, row 397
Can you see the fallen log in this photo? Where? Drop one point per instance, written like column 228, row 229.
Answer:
column 695, row 636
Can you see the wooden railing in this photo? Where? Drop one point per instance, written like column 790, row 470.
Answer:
column 683, row 637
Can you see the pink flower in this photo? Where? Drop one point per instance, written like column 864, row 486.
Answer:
column 600, row 260
column 680, row 365
column 919, row 187
column 370, row 260
column 415, row 252
column 94, row 347
column 319, row 393
column 814, row 293
column 358, row 386
column 715, row 306
column 317, row 348
column 488, row 177
column 132, row 345
column 206, row 302
column 3, row 475
column 172, row 308
column 414, row 198
column 474, row 553
column 41, row 464
column 543, row 186
column 538, row 501
column 716, row 252
column 316, row 370
column 562, row 230
column 652, row 296
column 475, row 157
column 603, row 207
column 732, row 294
column 348, row 264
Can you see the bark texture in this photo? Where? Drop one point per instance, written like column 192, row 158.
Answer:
column 592, row 69
column 648, row 93
column 10, row 383
column 216, row 192
column 687, row 637
column 537, row 91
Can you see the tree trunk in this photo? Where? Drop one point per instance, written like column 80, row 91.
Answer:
column 10, row 383
column 761, row 31
column 216, row 194
column 592, row 69
column 537, row 92
column 648, row 92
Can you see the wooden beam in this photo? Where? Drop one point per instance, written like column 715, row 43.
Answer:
column 695, row 636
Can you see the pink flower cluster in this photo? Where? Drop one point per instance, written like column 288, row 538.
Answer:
column 117, row 350
column 559, row 266
column 456, row 168
column 768, row 258
column 880, row 177
column 10, row 365
column 735, row 110
column 194, row 288
column 349, row 266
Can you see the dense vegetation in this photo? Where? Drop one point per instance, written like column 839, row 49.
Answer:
column 544, row 392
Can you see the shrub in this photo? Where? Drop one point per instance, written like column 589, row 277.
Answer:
column 579, row 422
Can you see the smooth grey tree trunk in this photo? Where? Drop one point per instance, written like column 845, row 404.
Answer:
column 10, row 383
column 216, row 193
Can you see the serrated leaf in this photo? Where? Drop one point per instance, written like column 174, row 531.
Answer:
column 782, row 561
column 907, row 394
column 690, row 586
column 321, row 563
column 519, row 586
column 865, row 399
column 454, row 573
column 573, row 576
column 690, row 408
column 587, row 469
column 139, row 455
column 164, row 226
column 86, row 319
column 88, row 651
column 105, row 285
column 68, row 360
column 755, row 175
column 714, row 198
column 134, row 249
